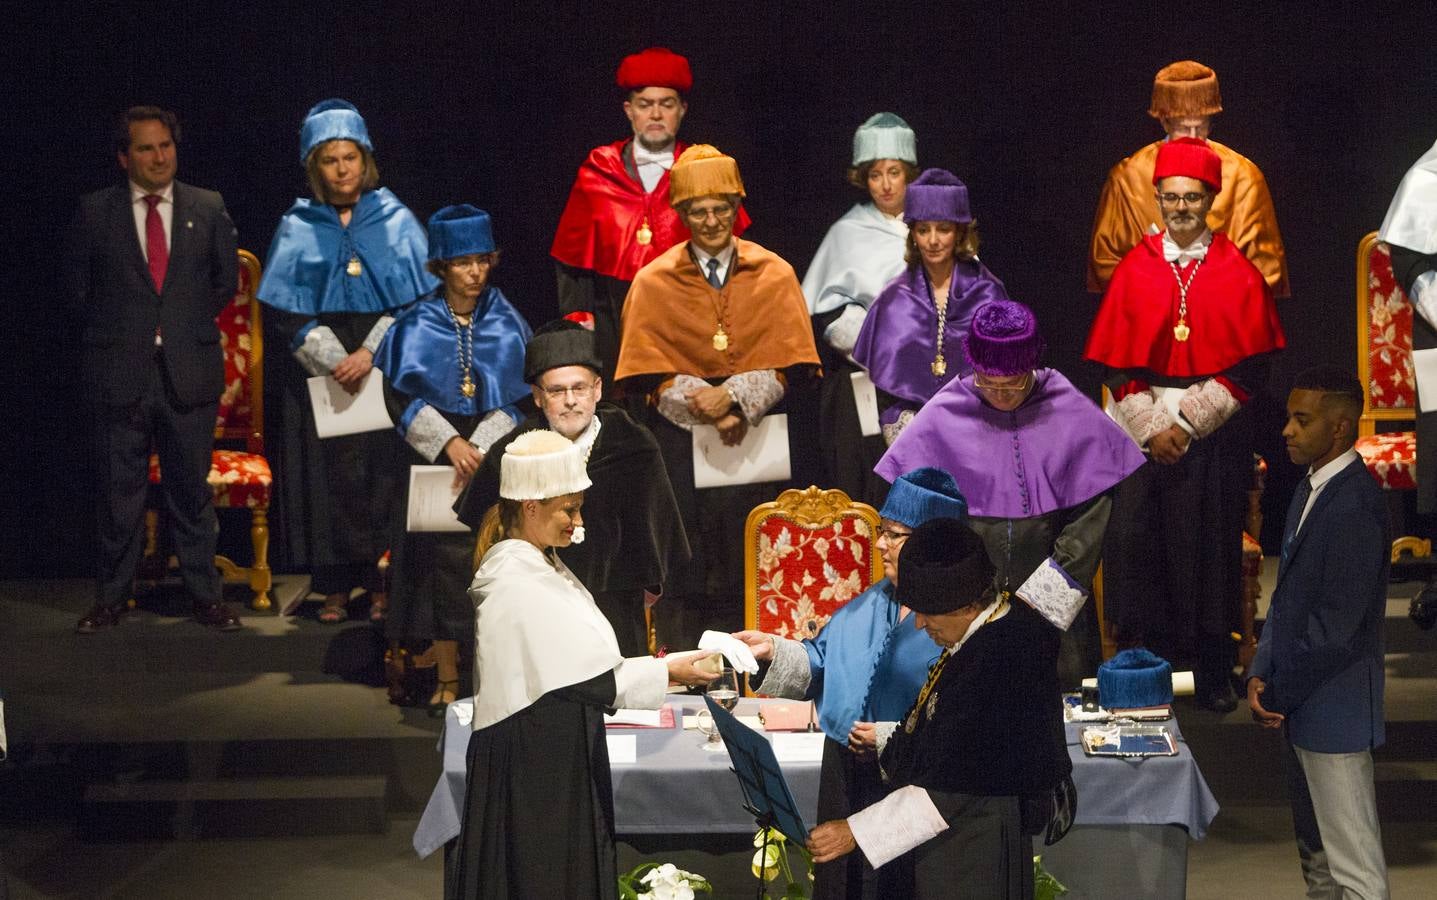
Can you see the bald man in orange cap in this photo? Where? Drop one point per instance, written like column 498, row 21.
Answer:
column 1185, row 100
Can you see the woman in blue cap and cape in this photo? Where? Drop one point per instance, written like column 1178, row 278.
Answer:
column 338, row 267
column 453, row 364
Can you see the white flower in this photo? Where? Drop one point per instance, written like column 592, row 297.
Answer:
column 578, row 536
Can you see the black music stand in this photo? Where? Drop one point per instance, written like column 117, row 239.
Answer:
column 766, row 793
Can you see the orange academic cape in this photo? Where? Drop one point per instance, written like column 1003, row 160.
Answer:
column 671, row 314
column 1242, row 210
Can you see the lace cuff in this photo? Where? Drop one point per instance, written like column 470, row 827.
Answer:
column 896, row 824
column 426, row 430
column 756, row 392
column 674, row 406
column 842, row 333
column 883, row 731
column 376, row 334
column 1206, row 406
column 319, row 351
column 891, row 430
column 1142, row 417
column 789, row 674
column 1053, row 593
column 491, row 428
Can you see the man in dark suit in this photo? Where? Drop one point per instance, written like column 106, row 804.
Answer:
column 150, row 264
column 1318, row 673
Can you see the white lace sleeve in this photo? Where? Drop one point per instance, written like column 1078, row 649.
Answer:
column 321, row 351
column 756, row 392
column 491, row 428
column 1054, row 594
column 789, row 674
column 674, row 406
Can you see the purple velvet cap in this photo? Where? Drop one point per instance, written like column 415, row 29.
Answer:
column 936, row 196
column 1003, row 339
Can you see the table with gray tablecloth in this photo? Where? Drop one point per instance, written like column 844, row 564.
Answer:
column 1134, row 818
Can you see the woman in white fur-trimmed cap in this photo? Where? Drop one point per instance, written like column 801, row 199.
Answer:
column 539, row 811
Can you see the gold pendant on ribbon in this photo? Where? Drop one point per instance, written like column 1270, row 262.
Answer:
column 720, row 340
column 940, row 368
column 644, row 235
column 467, row 388
column 353, row 267
column 1181, row 330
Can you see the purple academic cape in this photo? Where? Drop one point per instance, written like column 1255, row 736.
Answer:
column 1054, row 452
column 899, row 340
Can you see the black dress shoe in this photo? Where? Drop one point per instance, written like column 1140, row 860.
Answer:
column 217, row 616
column 98, row 619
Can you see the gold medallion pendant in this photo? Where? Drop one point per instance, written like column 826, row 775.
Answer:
column 720, row 340
column 939, row 367
column 1181, row 330
column 467, row 388
column 353, row 267
column 644, row 235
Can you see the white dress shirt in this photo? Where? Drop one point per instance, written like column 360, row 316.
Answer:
column 652, row 164
column 724, row 257
column 1320, row 478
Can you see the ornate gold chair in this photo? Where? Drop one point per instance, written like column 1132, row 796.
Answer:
column 1384, row 366
column 239, row 474
column 805, row 555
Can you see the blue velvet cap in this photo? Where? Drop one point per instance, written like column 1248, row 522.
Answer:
column 459, row 231
column 332, row 120
column 923, row 494
column 1135, row 678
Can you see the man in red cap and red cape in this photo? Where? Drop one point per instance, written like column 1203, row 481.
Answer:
column 1185, row 329
column 618, row 217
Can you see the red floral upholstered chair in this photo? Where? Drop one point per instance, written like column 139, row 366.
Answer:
column 1384, row 366
column 806, row 554
column 239, row 473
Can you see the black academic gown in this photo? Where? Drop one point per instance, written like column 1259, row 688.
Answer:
column 988, row 747
column 634, row 537
column 539, row 807
column 846, row 456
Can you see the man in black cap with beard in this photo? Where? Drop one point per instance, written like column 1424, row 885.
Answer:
column 632, row 532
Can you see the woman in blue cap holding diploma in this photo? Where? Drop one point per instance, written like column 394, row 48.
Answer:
column 862, row 671
column 453, row 364
column 338, row 267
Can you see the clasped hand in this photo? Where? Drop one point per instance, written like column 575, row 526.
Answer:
column 351, row 370
column 1167, row 447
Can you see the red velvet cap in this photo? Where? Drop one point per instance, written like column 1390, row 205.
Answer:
column 1191, row 158
column 655, row 67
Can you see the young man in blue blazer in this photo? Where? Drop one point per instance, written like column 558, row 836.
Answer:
column 1318, row 673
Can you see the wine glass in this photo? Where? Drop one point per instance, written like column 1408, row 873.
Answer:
column 723, row 690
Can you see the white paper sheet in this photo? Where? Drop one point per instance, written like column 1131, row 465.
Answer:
column 1424, row 366
column 865, row 399
column 431, row 500
column 623, row 749
column 761, row 456
column 338, row 412
column 648, row 718
column 797, row 746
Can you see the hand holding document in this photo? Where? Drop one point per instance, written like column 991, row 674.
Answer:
column 432, row 493
column 338, row 412
column 761, row 456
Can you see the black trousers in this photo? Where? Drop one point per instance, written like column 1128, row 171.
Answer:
column 183, row 436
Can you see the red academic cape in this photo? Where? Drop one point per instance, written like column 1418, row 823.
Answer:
column 1231, row 314
column 606, row 209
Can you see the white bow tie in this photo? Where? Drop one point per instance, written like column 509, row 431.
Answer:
column 646, row 157
column 1183, row 255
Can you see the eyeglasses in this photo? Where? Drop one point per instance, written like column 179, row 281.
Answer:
column 580, row 391
column 1003, row 390
column 720, row 213
column 1174, row 199
column 893, row 537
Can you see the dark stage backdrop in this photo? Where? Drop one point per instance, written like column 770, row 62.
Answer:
column 496, row 104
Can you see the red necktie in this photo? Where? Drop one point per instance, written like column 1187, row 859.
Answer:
column 156, row 249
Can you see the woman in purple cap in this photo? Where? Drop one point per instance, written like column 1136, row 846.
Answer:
column 910, row 340
column 1037, row 462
